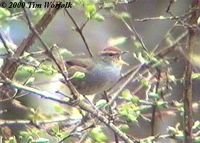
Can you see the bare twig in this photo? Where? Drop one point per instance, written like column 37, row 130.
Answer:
column 183, row 23
column 87, row 20
column 61, row 68
column 111, row 116
column 114, row 92
column 81, row 105
column 20, row 122
column 187, row 96
column 135, row 33
column 79, row 30
column 9, row 51
column 154, row 106
column 10, row 67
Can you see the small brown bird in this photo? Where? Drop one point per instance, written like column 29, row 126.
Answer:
column 101, row 72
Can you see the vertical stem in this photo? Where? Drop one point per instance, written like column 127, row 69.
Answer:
column 111, row 117
column 153, row 119
column 154, row 105
column 187, row 93
column 187, row 96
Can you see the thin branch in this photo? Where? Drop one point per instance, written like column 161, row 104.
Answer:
column 81, row 105
column 9, row 51
column 135, row 33
column 114, row 92
column 154, row 106
column 111, row 115
column 171, row 47
column 38, row 123
column 166, row 17
column 103, row 119
column 187, row 95
column 79, row 30
column 61, row 67
column 10, row 66
column 183, row 23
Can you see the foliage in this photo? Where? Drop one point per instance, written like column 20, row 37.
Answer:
column 148, row 98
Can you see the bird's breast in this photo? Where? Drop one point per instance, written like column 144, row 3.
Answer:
column 100, row 78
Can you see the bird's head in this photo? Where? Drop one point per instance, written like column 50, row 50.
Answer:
column 113, row 55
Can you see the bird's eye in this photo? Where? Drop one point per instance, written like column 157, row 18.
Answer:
column 110, row 55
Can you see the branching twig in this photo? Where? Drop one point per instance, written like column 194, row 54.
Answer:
column 61, row 68
column 134, row 32
column 10, row 67
column 79, row 30
column 38, row 123
column 9, row 51
column 81, row 105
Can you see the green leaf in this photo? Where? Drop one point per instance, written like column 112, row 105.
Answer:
column 90, row 11
column 162, row 104
column 125, row 15
column 11, row 140
column 101, row 104
column 137, row 44
column 154, row 95
column 46, row 68
column 23, row 72
column 126, row 94
column 78, row 75
column 117, row 41
column 59, row 109
column 108, row 5
column 41, row 140
column 135, row 100
column 98, row 17
column 145, row 84
column 171, row 130
column 196, row 125
column 197, row 139
column 196, row 76
column 98, row 135
column 4, row 13
column 124, row 128
column 81, row 2
column 139, row 56
column 122, row 15
column 130, row 112
column 65, row 53
column 39, row 12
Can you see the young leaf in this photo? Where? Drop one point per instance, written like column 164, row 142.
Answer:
column 65, row 53
column 90, row 11
column 126, row 94
column 98, row 135
column 98, row 17
column 41, row 140
column 101, row 104
column 117, row 41
column 4, row 13
column 78, row 75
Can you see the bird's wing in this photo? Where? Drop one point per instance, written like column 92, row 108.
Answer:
column 81, row 65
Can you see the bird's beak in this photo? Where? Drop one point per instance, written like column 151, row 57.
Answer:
column 124, row 52
column 122, row 62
